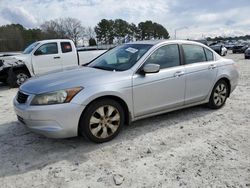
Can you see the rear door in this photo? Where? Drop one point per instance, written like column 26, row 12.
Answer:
column 68, row 55
column 46, row 58
column 201, row 71
column 160, row 91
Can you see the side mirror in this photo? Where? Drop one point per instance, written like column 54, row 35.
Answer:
column 151, row 68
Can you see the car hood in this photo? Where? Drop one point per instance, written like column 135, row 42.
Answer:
column 81, row 76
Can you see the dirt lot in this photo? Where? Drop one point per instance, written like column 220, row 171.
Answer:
column 195, row 147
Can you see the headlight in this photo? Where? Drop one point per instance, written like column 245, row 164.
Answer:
column 56, row 97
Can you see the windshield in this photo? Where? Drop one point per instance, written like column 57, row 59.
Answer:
column 30, row 48
column 120, row 58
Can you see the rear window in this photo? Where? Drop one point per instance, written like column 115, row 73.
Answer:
column 66, row 47
column 193, row 53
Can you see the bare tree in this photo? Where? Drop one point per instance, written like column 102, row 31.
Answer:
column 70, row 28
column 73, row 28
column 90, row 33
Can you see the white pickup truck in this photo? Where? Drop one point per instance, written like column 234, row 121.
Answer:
column 43, row 57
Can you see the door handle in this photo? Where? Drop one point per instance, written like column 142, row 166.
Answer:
column 179, row 73
column 212, row 66
column 57, row 57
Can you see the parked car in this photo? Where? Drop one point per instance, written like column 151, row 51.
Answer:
column 229, row 46
column 220, row 49
column 130, row 82
column 247, row 53
column 42, row 57
column 239, row 48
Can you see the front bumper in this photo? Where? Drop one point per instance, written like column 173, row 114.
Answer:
column 54, row 121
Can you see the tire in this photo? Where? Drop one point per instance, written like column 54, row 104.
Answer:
column 219, row 95
column 96, row 122
column 17, row 77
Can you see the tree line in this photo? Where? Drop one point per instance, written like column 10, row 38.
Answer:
column 15, row 37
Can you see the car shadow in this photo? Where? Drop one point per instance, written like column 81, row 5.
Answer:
column 23, row 151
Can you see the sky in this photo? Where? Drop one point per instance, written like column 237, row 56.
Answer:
column 193, row 19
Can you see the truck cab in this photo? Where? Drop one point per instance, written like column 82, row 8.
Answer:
column 51, row 55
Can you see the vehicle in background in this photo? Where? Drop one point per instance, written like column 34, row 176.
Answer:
column 239, row 48
column 130, row 82
column 220, row 49
column 43, row 57
column 229, row 46
column 247, row 53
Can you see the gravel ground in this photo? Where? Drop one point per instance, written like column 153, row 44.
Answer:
column 195, row 147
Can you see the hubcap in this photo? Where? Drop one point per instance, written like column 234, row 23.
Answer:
column 220, row 94
column 21, row 77
column 105, row 121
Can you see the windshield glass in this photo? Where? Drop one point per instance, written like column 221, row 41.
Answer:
column 30, row 48
column 120, row 58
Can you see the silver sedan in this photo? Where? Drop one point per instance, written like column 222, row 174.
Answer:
column 130, row 82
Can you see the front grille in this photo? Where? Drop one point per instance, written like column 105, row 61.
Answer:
column 21, row 97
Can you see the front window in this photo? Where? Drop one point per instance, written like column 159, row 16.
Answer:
column 30, row 48
column 166, row 56
column 46, row 49
column 121, row 58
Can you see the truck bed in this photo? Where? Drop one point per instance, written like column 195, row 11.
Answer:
column 86, row 56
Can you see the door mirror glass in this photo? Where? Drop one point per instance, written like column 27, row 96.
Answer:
column 151, row 68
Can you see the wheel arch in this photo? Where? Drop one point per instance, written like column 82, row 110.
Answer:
column 115, row 98
column 21, row 67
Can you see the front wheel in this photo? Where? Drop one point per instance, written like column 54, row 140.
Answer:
column 102, row 120
column 17, row 77
column 219, row 95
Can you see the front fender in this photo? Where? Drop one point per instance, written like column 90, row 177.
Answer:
column 85, row 97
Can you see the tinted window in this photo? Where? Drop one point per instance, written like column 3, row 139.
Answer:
column 209, row 54
column 193, row 53
column 50, row 48
column 166, row 56
column 66, row 47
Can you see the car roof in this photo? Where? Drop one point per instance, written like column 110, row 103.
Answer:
column 55, row 40
column 156, row 42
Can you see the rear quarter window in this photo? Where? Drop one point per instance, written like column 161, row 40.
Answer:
column 66, row 47
column 209, row 54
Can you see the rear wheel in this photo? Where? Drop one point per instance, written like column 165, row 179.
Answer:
column 102, row 120
column 219, row 95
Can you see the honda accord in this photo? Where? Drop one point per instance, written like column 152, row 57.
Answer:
column 130, row 82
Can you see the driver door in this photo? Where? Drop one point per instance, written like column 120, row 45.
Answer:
column 47, row 58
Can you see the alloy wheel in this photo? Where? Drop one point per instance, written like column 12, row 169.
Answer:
column 220, row 94
column 105, row 121
column 21, row 78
